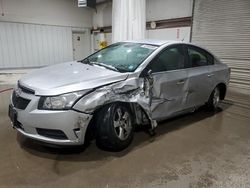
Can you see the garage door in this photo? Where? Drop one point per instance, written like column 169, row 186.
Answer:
column 223, row 27
column 32, row 45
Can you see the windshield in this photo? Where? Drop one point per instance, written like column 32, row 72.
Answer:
column 123, row 57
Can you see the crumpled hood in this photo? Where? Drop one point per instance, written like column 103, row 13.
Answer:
column 69, row 77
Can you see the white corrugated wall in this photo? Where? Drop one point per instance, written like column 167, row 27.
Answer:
column 223, row 26
column 32, row 45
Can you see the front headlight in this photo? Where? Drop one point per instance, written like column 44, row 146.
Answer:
column 60, row 102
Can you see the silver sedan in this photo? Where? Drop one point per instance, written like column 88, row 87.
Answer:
column 110, row 92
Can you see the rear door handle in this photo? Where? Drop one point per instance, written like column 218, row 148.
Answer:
column 180, row 82
column 210, row 75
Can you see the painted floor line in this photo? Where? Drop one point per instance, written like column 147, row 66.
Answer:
column 4, row 90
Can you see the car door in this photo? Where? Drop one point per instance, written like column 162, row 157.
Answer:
column 200, row 75
column 169, row 82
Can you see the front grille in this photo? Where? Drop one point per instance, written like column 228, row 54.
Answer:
column 19, row 102
column 18, row 125
column 52, row 133
column 25, row 89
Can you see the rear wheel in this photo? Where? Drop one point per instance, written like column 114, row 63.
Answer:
column 114, row 127
column 214, row 99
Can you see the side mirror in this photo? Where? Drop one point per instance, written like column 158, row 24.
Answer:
column 146, row 73
column 149, row 73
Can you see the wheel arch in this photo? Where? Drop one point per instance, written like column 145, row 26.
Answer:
column 223, row 89
column 105, row 134
column 133, row 107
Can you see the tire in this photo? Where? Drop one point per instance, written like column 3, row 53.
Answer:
column 214, row 99
column 115, row 129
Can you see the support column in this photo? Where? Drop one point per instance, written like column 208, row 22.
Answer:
column 128, row 20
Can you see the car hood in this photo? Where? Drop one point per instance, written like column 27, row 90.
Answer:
column 69, row 77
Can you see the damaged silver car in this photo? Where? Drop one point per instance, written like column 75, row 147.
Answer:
column 111, row 91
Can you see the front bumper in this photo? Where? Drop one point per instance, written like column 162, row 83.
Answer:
column 69, row 123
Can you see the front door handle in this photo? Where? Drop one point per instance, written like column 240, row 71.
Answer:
column 180, row 82
column 210, row 75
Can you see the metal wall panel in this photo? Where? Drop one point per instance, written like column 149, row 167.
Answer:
column 179, row 34
column 223, row 26
column 31, row 45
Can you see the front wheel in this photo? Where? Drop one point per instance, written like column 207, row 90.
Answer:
column 114, row 127
column 214, row 99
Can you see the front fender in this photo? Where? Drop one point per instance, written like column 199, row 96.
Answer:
column 130, row 91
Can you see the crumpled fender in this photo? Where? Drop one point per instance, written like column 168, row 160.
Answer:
column 133, row 90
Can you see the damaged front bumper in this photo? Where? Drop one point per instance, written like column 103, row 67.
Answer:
column 59, row 127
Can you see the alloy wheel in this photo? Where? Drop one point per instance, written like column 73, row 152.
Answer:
column 122, row 123
column 216, row 97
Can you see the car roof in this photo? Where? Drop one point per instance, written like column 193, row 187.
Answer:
column 154, row 41
column 166, row 43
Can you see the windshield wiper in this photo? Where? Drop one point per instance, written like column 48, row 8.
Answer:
column 106, row 66
column 86, row 61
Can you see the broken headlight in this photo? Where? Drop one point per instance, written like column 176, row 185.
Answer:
column 60, row 102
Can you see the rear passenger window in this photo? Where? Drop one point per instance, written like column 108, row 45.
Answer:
column 210, row 59
column 199, row 57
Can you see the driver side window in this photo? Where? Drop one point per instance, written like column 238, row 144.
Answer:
column 169, row 59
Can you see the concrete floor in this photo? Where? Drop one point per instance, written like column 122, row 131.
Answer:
column 197, row 150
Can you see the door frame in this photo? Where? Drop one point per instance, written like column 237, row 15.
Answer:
column 144, row 72
column 81, row 31
column 207, row 67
